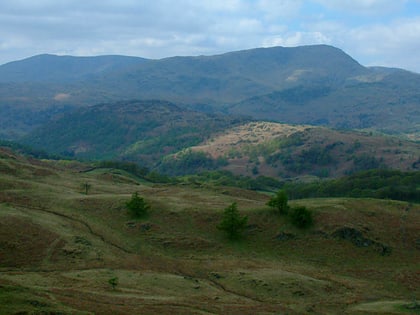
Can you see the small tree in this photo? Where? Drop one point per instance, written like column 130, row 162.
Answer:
column 232, row 222
column 279, row 202
column 301, row 217
column 137, row 206
column 113, row 282
column 86, row 187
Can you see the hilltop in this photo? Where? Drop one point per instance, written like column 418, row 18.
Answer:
column 61, row 247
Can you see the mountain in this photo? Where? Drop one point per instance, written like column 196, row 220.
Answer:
column 63, row 69
column 235, row 76
column 316, row 84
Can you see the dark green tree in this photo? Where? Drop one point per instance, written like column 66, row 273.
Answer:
column 279, row 202
column 113, row 282
column 86, row 187
column 232, row 223
column 301, row 217
column 137, row 206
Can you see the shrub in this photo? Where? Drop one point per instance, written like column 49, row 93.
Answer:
column 113, row 282
column 301, row 217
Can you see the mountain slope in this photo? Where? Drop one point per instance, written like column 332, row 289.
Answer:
column 310, row 84
column 386, row 102
column 139, row 130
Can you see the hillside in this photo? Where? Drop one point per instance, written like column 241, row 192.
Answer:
column 285, row 151
column 386, row 102
column 61, row 247
column 176, row 141
column 306, row 85
column 142, row 131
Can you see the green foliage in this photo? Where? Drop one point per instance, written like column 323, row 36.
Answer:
column 132, row 130
column 129, row 167
column 309, row 159
column 269, row 149
column 279, row 202
column 189, row 162
column 137, row 206
column 138, row 171
column 28, row 150
column 156, row 177
column 301, row 217
column 384, row 184
column 226, row 178
column 366, row 162
column 232, row 223
column 113, row 282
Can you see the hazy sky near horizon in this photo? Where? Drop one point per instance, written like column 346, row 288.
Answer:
column 374, row 32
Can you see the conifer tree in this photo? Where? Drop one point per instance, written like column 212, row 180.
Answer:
column 232, row 223
column 137, row 206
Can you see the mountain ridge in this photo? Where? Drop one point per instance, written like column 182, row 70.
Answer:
column 316, row 84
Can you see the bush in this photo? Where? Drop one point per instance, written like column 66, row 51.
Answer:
column 301, row 217
column 137, row 206
column 113, row 282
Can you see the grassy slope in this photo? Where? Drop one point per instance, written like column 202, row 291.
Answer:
column 59, row 247
column 143, row 131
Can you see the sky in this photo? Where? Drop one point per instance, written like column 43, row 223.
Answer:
column 374, row 32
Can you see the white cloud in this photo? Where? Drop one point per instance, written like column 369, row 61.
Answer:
column 396, row 44
column 296, row 39
column 370, row 7
column 272, row 9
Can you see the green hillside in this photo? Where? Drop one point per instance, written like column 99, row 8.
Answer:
column 142, row 131
column 67, row 252
column 174, row 141
column 288, row 151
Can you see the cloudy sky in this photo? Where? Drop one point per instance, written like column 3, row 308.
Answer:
column 374, row 32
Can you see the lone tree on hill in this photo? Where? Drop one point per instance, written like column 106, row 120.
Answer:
column 232, row 222
column 279, row 202
column 86, row 187
column 137, row 206
column 113, row 282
